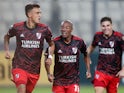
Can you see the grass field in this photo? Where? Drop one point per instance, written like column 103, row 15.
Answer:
column 47, row 89
column 40, row 89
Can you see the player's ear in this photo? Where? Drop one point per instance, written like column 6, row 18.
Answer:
column 29, row 14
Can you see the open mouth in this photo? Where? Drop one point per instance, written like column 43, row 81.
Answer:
column 64, row 33
column 39, row 19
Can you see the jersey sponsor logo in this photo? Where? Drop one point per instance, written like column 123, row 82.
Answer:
column 74, row 49
column 30, row 44
column 111, row 43
column 67, row 59
column 38, row 35
column 109, row 51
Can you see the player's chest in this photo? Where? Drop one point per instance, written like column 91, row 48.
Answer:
column 30, row 35
column 67, row 49
column 107, row 43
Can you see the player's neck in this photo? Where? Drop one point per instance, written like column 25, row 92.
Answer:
column 30, row 24
column 107, row 35
column 67, row 40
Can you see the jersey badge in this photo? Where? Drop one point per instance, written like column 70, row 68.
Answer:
column 111, row 43
column 74, row 49
column 38, row 35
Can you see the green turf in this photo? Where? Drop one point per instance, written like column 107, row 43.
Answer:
column 46, row 89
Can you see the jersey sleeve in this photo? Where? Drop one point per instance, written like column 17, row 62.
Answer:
column 122, row 43
column 83, row 47
column 12, row 31
column 95, row 40
column 48, row 36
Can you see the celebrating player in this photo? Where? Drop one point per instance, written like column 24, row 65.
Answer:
column 111, row 46
column 66, row 69
column 30, row 36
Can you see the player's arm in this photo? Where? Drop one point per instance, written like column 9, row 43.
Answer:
column 50, row 52
column 121, row 72
column 123, row 62
column 87, row 63
column 6, row 46
column 47, row 67
column 51, row 47
column 90, row 49
column 88, row 60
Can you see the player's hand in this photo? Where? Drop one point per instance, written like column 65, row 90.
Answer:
column 48, row 61
column 50, row 77
column 120, row 74
column 88, row 75
column 7, row 55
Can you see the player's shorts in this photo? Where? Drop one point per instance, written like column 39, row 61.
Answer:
column 73, row 88
column 107, row 81
column 22, row 77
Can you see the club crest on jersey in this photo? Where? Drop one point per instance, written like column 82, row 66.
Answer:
column 111, row 43
column 74, row 49
column 38, row 35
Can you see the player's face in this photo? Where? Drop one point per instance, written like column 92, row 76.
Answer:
column 106, row 27
column 35, row 15
column 66, row 29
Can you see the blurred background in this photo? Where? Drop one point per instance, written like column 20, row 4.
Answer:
column 85, row 15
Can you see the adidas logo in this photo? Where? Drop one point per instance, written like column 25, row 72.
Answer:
column 22, row 35
column 59, row 51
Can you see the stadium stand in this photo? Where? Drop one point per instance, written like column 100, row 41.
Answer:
column 83, row 14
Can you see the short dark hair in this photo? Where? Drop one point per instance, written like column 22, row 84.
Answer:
column 106, row 19
column 29, row 7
